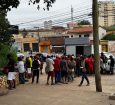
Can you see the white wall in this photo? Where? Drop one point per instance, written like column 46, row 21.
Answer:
column 87, row 50
column 92, row 49
column 111, row 46
column 71, row 50
column 102, row 33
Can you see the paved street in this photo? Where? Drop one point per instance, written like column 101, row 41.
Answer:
column 65, row 94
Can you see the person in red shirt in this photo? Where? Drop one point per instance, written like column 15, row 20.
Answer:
column 57, row 69
column 91, row 65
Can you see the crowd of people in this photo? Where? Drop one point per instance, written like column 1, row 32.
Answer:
column 61, row 69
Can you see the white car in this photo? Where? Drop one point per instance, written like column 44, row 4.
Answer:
column 20, row 54
column 107, row 65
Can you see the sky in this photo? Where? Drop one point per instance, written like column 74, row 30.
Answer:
column 26, row 13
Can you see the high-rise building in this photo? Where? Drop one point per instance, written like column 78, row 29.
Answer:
column 106, row 13
column 48, row 24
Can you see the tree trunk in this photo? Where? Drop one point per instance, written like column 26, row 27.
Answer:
column 96, row 47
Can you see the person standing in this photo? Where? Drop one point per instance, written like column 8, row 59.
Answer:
column 21, row 70
column 71, row 69
column 11, row 73
column 35, row 69
column 49, row 69
column 111, row 64
column 84, row 73
column 64, row 72
column 57, row 69
column 28, row 65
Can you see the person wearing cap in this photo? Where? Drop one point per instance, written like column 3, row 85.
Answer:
column 49, row 69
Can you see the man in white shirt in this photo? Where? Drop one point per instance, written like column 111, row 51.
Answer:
column 49, row 69
column 21, row 70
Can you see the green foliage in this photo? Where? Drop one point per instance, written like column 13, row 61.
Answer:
column 111, row 28
column 5, row 36
column 8, row 4
column 109, row 37
column 84, row 22
column 4, row 51
column 3, row 55
column 1, row 73
column 13, row 53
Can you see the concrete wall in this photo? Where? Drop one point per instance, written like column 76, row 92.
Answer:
column 102, row 33
column 111, row 46
column 71, row 50
column 87, row 50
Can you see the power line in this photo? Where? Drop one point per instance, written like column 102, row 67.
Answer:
column 54, row 16
column 81, row 4
column 82, row 17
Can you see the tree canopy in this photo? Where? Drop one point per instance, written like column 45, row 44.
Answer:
column 84, row 22
column 5, row 6
column 8, row 4
column 5, row 36
column 110, row 28
column 109, row 37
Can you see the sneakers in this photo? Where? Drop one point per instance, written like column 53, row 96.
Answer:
column 79, row 84
column 87, row 85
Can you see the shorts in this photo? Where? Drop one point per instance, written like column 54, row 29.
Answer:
column 11, row 75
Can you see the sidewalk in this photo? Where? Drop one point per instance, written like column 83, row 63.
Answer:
column 64, row 94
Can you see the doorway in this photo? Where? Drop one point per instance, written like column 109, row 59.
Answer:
column 79, row 50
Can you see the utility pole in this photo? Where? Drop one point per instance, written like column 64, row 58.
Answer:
column 72, row 15
column 96, row 46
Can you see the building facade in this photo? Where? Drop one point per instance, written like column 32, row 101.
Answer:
column 81, row 41
column 106, row 13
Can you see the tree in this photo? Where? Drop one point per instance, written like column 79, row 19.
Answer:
column 5, row 36
column 5, row 6
column 84, row 22
column 8, row 4
column 110, row 37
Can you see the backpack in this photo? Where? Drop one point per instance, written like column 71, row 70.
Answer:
column 63, row 65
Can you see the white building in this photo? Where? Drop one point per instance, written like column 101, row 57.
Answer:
column 81, row 41
column 48, row 24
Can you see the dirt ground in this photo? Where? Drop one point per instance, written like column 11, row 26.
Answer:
column 61, row 94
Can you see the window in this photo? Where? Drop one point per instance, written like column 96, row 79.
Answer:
column 86, row 35
column 35, row 47
column 79, row 35
column 26, row 47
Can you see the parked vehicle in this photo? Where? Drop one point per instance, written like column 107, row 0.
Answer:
column 20, row 54
column 106, row 67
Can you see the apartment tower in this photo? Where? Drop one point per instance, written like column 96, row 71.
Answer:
column 106, row 13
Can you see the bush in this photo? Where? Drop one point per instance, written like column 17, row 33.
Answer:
column 4, row 51
column 109, row 37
